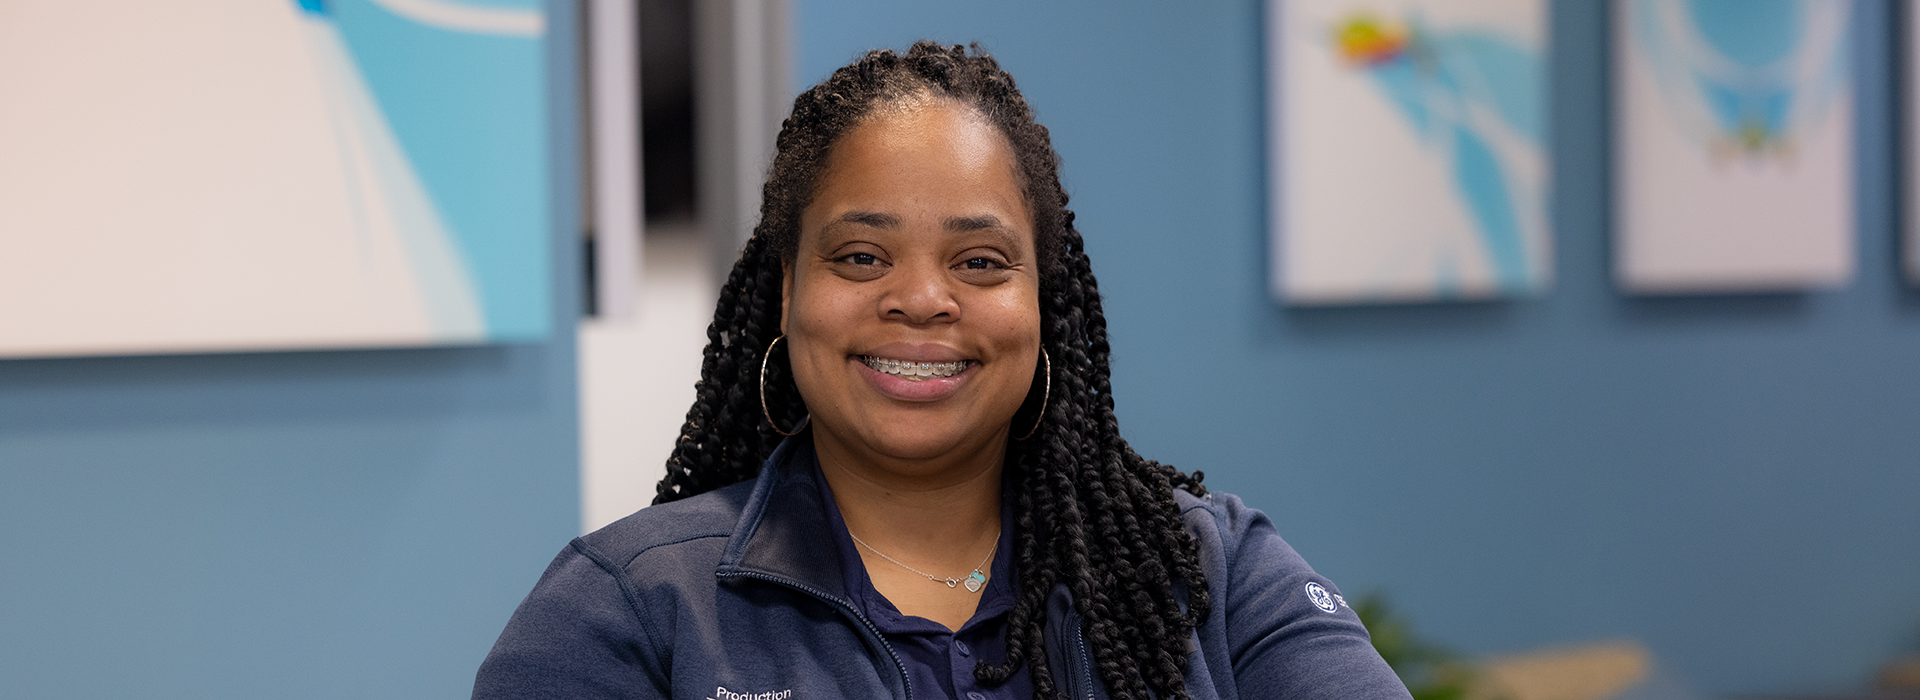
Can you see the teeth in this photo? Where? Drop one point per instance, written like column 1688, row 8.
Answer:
column 914, row 371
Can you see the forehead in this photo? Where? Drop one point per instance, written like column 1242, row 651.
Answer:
column 921, row 157
column 924, row 125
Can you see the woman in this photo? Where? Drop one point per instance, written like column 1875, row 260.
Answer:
column 903, row 476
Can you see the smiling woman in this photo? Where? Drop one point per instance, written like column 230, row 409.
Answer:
column 916, row 258
column 903, row 476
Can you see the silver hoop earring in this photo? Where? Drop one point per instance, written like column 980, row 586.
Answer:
column 763, row 394
column 1046, row 392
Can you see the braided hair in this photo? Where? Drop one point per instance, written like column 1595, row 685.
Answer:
column 1089, row 513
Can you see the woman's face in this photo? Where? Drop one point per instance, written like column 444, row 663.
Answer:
column 917, row 248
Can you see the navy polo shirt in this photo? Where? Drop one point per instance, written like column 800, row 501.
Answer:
column 935, row 657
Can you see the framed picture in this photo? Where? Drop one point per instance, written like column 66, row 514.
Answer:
column 1409, row 150
column 271, row 174
column 1911, row 51
column 1733, row 145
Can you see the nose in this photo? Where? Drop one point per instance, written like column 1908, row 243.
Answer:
column 919, row 293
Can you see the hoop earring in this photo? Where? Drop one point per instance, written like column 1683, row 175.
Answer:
column 1046, row 392
column 763, row 394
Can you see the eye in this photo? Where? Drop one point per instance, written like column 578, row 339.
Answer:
column 861, row 259
column 981, row 264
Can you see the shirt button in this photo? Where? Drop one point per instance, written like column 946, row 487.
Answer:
column 961, row 647
column 975, row 696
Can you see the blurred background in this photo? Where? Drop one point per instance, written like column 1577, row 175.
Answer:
column 1706, row 495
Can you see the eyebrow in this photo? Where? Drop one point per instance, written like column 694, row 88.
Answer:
column 953, row 223
column 869, row 218
column 973, row 223
column 984, row 224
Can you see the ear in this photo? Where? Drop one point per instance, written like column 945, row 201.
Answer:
column 786, row 293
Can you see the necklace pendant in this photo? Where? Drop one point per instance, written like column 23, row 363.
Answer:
column 974, row 580
column 951, row 583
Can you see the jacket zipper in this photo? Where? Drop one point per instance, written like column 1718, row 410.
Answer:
column 847, row 609
column 1086, row 662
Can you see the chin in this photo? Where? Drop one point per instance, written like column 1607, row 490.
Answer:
column 920, row 445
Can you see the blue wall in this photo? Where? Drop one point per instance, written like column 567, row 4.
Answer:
column 293, row 525
column 1730, row 480
column 1733, row 481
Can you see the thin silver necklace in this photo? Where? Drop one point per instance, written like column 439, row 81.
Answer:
column 973, row 580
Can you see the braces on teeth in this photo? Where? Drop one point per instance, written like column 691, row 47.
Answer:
column 914, row 371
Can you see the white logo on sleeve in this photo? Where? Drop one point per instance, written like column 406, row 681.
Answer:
column 722, row 693
column 1321, row 598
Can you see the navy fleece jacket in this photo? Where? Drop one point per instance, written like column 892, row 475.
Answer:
column 734, row 595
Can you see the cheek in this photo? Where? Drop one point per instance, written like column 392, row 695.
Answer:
column 1016, row 331
column 1017, row 318
column 816, row 323
column 818, row 315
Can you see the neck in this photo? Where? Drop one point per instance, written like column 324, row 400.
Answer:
column 923, row 509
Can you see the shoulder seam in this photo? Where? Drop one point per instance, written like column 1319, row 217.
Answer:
column 634, row 603
column 1223, row 527
column 682, row 540
column 1198, row 502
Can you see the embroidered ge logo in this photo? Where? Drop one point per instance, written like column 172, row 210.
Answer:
column 1321, row 598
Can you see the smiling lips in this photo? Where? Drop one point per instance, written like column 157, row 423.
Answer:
column 914, row 371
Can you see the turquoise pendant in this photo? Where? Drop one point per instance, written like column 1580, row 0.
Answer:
column 974, row 580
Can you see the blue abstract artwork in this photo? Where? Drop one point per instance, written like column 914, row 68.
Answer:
column 236, row 175
column 1409, row 150
column 1734, row 145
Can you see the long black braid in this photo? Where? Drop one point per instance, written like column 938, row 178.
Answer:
column 1090, row 513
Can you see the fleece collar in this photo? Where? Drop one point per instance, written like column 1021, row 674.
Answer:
column 783, row 531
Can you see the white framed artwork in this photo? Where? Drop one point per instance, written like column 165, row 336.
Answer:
column 1408, row 150
column 1911, row 254
column 1733, row 145
column 231, row 175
